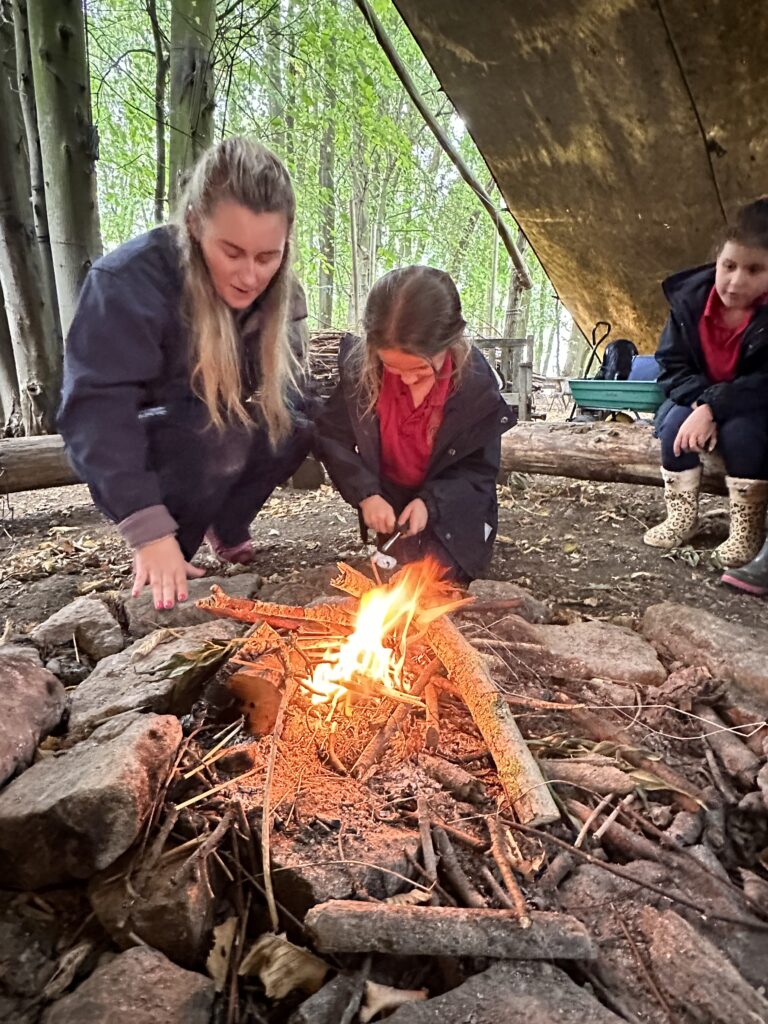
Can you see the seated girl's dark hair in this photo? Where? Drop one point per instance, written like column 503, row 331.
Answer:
column 416, row 309
column 750, row 225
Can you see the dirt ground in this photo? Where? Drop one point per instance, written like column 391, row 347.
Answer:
column 574, row 544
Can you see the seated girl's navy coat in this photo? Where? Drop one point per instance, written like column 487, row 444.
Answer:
column 683, row 375
column 460, row 486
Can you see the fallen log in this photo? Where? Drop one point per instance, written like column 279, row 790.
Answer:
column 609, row 452
column 29, row 463
column 348, row 926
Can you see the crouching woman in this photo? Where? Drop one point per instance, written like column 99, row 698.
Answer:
column 180, row 406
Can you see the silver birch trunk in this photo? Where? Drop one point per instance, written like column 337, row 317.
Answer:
column 9, row 385
column 68, row 143
column 28, row 315
column 193, row 26
column 36, row 176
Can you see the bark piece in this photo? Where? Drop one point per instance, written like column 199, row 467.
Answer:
column 32, row 701
column 140, row 986
column 455, row 779
column 696, row 975
column 72, row 815
column 352, row 927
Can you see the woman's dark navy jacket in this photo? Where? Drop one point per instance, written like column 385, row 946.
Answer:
column 460, row 486
column 683, row 369
column 127, row 353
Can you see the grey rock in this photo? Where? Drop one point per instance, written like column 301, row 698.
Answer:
column 26, row 651
column 535, row 993
column 586, row 649
column 32, row 702
column 530, row 609
column 686, row 828
column 141, row 986
column 73, row 814
column 172, row 910
column 136, row 678
column 143, row 617
column 328, row 1005
column 89, row 621
column 734, row 653
column 762, row 782
column 308, row 586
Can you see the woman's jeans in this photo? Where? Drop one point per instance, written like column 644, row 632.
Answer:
column 742, row 441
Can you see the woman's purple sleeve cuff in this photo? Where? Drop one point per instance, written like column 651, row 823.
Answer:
column 146, row 525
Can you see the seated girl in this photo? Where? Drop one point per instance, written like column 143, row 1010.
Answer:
column 714, row 369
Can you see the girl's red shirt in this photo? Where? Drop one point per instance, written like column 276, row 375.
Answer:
column 720, row 343
column 407, row 432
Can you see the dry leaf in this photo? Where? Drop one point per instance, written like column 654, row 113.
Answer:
column 409, row 899
column 383, row 997
column 283, row 967
column 217, row 963
column 66, row 969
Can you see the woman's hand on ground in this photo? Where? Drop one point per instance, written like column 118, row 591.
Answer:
column 414, row 516
column 162, row 566
column 698, row 433
column 378, row 514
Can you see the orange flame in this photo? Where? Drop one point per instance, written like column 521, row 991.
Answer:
column 376, row 649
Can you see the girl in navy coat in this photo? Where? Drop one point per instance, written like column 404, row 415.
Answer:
column 412, row 435
column 714, row 370
column 180, row 406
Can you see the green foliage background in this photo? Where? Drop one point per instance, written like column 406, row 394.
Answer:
column 285, row 70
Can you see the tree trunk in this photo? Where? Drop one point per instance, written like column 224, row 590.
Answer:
column 68, row 142
column 273, row 68
column 161, row 79
column 326, row 180
column 29, row 317
column 36, row 177
column 9, row 385
column 594, row 451
column 193, row 25
column 492, row 285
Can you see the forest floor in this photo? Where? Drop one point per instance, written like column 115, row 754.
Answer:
column 575, row 545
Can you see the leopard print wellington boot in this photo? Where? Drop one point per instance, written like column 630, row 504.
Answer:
column 748, row 501
column 681, row 494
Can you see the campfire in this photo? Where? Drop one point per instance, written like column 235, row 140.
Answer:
column 386, row 642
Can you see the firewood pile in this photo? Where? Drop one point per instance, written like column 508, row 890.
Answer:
column 394, row 803
column 323, row 361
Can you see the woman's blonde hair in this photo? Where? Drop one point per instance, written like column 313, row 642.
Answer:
column 417, row 310
column 245, row 172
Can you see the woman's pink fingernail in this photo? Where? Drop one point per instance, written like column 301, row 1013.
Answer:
column 159, row 605
column 182, row 597
column 169, row 604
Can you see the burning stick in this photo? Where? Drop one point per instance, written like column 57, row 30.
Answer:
column 331, row 617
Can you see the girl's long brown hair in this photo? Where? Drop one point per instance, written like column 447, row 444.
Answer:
column 245, row 172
